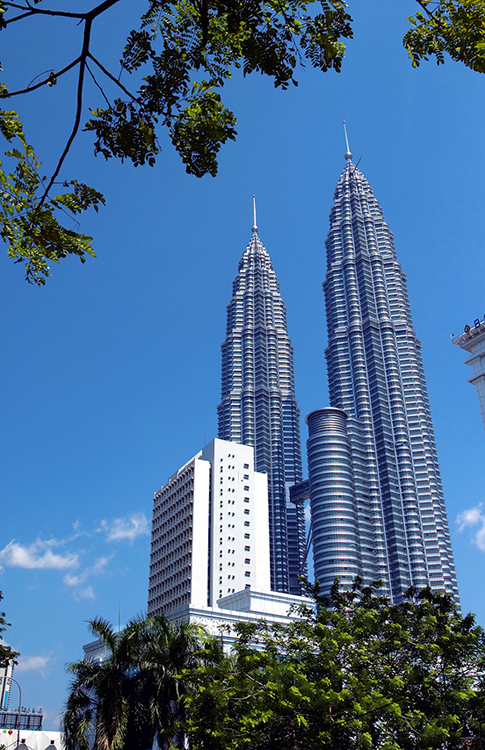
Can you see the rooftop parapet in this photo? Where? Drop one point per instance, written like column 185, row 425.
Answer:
column 469, row 333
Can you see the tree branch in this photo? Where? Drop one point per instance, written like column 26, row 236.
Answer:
column 97, row 84
column 42, row 83
column 424, row 6
column 110, row 76
column 31, row 11
column 79, row 102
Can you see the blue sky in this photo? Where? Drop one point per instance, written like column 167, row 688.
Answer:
column 111, row 373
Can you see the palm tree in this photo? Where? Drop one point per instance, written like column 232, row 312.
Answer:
column 165, row 652
column 130, row 698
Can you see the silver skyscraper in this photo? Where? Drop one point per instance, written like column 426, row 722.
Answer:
column 258, row 405
column 377, row 502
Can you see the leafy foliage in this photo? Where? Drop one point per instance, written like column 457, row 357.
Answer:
column 181, row 57
column 131, row 696
column 357, row 673
column 28, row 219
column 178, row 41
column 183, row 54
column 6, row 653
column 455, row 27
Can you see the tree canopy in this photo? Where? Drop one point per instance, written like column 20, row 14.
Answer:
column 6, row 653
column 358, row 672
column 355, row 672
column 174, row 67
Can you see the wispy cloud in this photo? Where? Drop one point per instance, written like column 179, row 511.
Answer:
column 30, row 663
column 84, row 593
column 129, row 527
column 77, row 581
column 39, row 554
column 67, row 555
column 471, row 518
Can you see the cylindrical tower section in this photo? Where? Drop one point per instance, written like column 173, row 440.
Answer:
column 336, row 549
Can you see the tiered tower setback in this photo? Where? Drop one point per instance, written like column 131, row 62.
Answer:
column 259, row 407
column 387, row 518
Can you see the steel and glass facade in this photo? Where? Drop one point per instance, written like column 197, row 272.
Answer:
column 259, row 407
column 377, row 501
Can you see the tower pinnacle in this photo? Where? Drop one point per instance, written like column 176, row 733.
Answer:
column 348, row 153
column 254, row 228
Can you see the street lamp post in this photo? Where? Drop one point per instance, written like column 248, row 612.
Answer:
column 20, row 710
column 12, row 679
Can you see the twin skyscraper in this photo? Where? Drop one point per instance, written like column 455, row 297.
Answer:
column 374, row 485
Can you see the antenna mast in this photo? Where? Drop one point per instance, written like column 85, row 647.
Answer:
column 348, row 153
column 254, row 228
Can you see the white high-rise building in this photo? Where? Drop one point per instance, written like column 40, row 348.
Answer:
column 6, row 674
column 210, row 530
column 473, row 340
column 210, row 546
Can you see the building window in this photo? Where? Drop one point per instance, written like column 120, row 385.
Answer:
column 247, row 548
column 246, row 489
column 247, row 561
column 247, row 536
column 246, row 523
column 246, row 511
column 246, row 466
column 247, row 573
column 246, row 499
column 246, row 476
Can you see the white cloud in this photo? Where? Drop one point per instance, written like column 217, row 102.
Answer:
column 128, row 528
column 86, row 593
column 470, row 518
column 75, row 581
column 308, row 513
column 37, row 555
column 28, row 663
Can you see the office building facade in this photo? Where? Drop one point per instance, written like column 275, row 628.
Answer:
column 209, row 531
column 210, row 561
column 258, row 405
column 377, row 502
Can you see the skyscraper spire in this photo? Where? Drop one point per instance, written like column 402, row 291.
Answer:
column 377, row 502
column 258, row 404
column 254, row 228
column 348, row 153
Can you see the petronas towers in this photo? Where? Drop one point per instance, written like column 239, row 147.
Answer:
column 383, row 516
column 259, row 407
column 374, row 483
